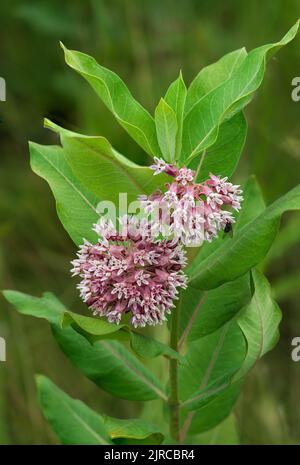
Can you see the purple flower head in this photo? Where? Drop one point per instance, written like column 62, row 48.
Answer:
column 130, row 272
column 198, row 211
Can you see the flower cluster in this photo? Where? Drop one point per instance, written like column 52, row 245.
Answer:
column 138, row 267
column 128, row 272
column 197, row 211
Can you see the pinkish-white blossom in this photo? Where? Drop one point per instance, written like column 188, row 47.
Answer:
column 130, row 273
column 198, row 211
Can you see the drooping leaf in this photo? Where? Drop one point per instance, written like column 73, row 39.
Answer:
column 225, row 433
column 222, row 157
column 210, row 361
column 115, row 95
column 132, row 431
column 259, row 322
column 71, row 420
column 75, row 423
column 108, row 363
column 205, row 378
column 166, row 129
column 76, row 206
column 246, row 249
column 102, row 170
column 95, row 329
column 212, row 413
column 47, row 307
column 213, row 75
column 175, row 98
column 201, row 123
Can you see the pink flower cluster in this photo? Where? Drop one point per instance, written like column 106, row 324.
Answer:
column 130, row 273
column 138, row 268
column 197, row 212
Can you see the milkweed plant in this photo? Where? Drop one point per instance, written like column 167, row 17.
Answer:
column 183, row 255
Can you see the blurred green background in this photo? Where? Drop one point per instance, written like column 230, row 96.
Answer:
column 146, row 42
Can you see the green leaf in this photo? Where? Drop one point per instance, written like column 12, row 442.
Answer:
column 201, row 123
column 259, row 323
column 133, row 431
column 214, row 412
column 225, row 433
column 108, row 363
column 213, row 75
column 166, row 129
column 99, row 167
column 175, row 98
column 210, row 362
column 253, row 203
column 95, row 329
column 47, row 307
column 203, row 313
column 76, row 206
column 223, row 156
column 71, row 420
column 75, row 423
column 205, row 378
column 115, row 95
column 246, row 249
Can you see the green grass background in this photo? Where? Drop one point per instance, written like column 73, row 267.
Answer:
column 146, row 42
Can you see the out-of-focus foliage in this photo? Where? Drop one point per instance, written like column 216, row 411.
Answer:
column 145, row 43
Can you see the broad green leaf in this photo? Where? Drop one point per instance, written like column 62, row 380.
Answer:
column 212, row 413
column 202, row 313
column 76, row 206
column 95, row 329
column 213, row 75
column 47, row 307
column 259, row 323
column 246, row 249
column 132, row 431
column 201, row 123
column 166, row 129
column 252, row 205
column 225, row 433
column 71, row 420
column 222, row 157
column 102, row 170
column 108, row 363
column 115, row 95
column 175, row 98
column 205, row 377
column 75, row 423
column 210, row 362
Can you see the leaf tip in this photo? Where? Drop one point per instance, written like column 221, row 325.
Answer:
column 62, row 46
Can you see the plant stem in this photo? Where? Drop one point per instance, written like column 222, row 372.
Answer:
column 174, row 394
